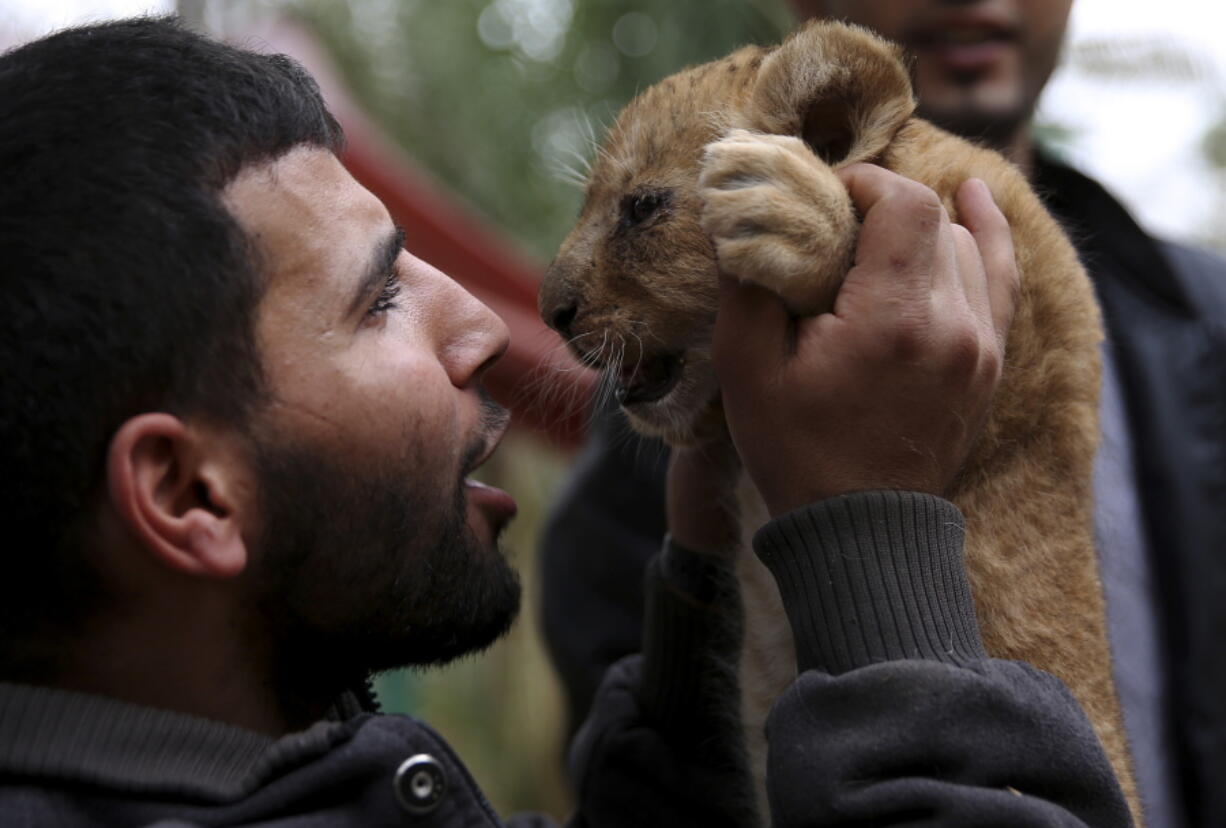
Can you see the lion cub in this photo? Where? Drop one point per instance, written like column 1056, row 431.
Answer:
column 735, row 157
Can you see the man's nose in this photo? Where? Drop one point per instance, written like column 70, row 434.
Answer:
column 477, row 336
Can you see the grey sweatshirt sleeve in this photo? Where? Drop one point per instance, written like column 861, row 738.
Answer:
column 898, row 715
column 663, row 744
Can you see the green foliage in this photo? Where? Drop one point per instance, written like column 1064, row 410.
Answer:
column 1053, row 136
column 1214, row 144
column 499, row 97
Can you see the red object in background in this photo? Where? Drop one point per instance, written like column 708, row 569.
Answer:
column 545, row 388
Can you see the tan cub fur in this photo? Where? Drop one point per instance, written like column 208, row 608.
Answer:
column 687, row 173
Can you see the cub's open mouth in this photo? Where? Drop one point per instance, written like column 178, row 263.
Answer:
column 648, row 379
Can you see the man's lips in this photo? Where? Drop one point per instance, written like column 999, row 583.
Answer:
column 972, row 57
column 969, row 42
column 499, row 506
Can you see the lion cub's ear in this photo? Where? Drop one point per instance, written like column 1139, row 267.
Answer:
column 840, row 88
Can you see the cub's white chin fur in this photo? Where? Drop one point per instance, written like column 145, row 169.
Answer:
column 687, row 416
column 664, row 418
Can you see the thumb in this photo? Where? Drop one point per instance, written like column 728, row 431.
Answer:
column 752, row 331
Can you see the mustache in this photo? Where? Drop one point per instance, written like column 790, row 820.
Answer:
column 494, row 417
column 493, row 421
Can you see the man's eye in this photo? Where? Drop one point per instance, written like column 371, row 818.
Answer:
column 386, row 300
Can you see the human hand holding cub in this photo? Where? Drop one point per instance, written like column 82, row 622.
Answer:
column 890, row 389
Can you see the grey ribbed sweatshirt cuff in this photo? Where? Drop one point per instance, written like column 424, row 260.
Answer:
column 871, row 577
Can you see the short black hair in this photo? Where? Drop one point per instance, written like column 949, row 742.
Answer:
column 125, row 284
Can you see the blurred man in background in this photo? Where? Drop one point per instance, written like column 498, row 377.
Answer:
column 1160, row 477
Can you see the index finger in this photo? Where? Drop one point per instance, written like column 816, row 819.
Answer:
column 751, row 329
column 902, row 225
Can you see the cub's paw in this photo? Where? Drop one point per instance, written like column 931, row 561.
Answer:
column 778, row 217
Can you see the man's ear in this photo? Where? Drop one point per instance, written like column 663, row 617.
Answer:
column 840, row 88
column 176, row 489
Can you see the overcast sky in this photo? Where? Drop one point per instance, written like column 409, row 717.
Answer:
column 1141, row 137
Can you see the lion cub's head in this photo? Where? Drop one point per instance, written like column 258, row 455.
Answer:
column 634, row 287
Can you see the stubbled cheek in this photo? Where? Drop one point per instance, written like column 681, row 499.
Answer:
column 310, row 417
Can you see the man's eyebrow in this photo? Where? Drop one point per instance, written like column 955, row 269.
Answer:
column 378, row 269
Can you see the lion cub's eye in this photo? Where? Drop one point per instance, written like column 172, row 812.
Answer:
column 641, row 205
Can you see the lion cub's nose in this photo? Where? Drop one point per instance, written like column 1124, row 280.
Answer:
column 561, row 318
column 558, row 302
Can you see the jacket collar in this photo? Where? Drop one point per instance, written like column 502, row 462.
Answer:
column 75, row 737
column 1104, row 232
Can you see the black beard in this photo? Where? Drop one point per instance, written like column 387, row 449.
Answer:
column 994, row 131
column 357, row 572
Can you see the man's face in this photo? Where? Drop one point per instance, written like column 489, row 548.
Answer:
column 979, row 64
column 373, row 549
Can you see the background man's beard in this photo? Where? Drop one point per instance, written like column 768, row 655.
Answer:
column 997, row 130
column 359, row 572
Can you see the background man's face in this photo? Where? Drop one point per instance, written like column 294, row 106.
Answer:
column 374, row 549
column 979, row 64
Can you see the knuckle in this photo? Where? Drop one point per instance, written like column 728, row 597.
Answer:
column 919, row 196
column 908, row 341
column 992, row 366
column 922, row 203
column 967, row 358
column 963, row 353
column 992, row 353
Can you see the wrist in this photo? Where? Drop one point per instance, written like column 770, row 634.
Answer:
column 701, row 502
column 792, row 492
